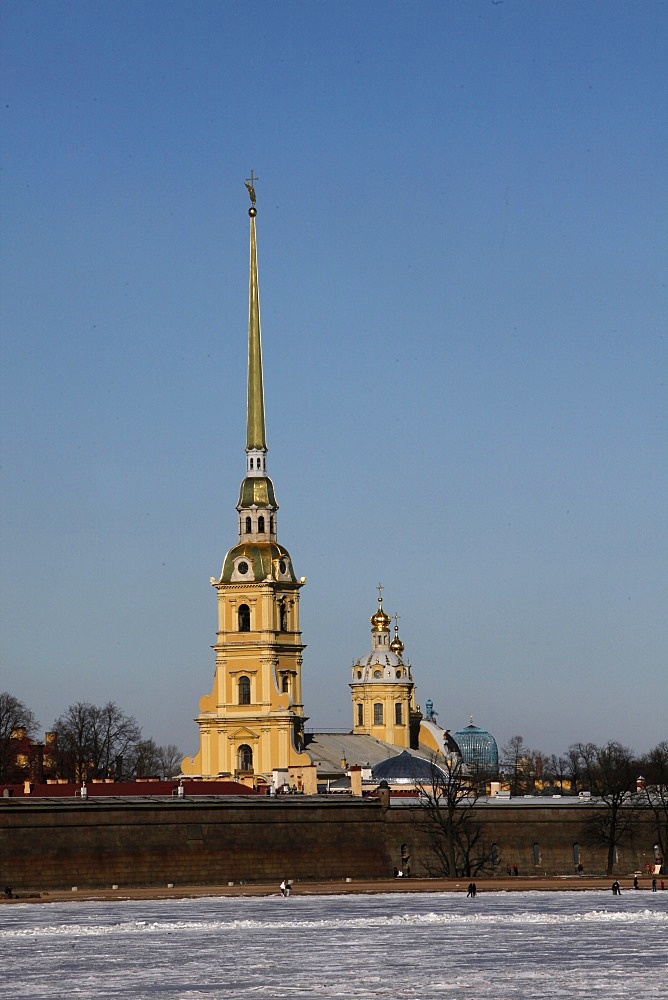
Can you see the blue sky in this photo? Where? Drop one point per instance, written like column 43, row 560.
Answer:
column 462, row 251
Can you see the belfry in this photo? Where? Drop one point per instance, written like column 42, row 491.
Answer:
column 252, row 723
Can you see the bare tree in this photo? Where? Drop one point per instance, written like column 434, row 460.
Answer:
column 170, row 760
column 610, row 772
column 149, row 759
column 654, row 769
column 518, row 764
column 14, row 716
column 93, row 742
column 554, row 771
column 445, row 814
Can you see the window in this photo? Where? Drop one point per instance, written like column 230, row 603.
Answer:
column 244, row 691
column 249, row 525
column 360, row 714
column 251, row 465
column 536, row 854
column 271, row 525
column 378, row 714
column 283, row 618
column 260, row 523
column 285, row 684
column 495, row 855
column 244, row 618
column 245, row 758
column 398, row 714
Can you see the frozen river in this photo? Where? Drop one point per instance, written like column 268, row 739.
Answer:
column 497, row 946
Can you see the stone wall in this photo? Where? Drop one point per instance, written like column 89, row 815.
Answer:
column 48, row 844
column 56, row 844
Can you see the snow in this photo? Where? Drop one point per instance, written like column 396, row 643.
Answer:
column 497, row 946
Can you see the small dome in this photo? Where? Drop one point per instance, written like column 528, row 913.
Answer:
column 404, row 767
column 397, row 645
column 257, row 491
column 479, row 749
column 381, row 620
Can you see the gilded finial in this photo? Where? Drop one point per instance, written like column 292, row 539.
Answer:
column 250, row 185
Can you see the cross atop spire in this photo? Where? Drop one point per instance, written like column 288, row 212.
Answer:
column 250, row 184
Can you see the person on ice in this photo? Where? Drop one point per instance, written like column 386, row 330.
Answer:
column 616, row 890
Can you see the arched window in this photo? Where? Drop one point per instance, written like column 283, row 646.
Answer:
column 245, row 758
column 360, row 714
column 260, row 523
column 244, row 618
column 249, row 525
column 285, row 684
column 244, row 691
column 378, row 714
column 283, row 618
column 536, row 854
column 495, row 854
column 251, row 465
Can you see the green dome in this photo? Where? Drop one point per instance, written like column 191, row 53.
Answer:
column 257, row 491
column 261, row 559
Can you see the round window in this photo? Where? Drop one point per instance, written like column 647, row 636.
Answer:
column 282, row 566
column 242, row 567
column 378, row 674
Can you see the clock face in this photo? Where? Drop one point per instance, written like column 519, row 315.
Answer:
column 243, row 567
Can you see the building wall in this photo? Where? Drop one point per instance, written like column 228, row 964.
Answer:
column 57, row 844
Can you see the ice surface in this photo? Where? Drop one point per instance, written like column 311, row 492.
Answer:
column 397, row 945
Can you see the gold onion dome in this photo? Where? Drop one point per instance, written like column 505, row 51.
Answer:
column 397, row 645
column 381, row 620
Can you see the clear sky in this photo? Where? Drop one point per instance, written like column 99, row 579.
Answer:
column 463, row 263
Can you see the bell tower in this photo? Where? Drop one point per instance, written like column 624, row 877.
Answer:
column 253, row 720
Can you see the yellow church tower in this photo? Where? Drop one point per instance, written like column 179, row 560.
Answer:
column 382, row 685
column 252, row 723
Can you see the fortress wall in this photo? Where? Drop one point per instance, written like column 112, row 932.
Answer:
column 49, row 844
column 58, row 844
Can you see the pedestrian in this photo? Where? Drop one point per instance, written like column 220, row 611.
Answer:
column 471, row 890
column 516, row 870
column 616, row 891
column 653, row 885
column 288, row 887
column 283, row 888
column 635, row 882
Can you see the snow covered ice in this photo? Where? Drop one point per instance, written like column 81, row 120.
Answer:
column 394, row 945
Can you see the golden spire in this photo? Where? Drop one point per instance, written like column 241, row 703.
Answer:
column 255, row 428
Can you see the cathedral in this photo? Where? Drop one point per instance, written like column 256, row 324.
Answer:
column 252, row 725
